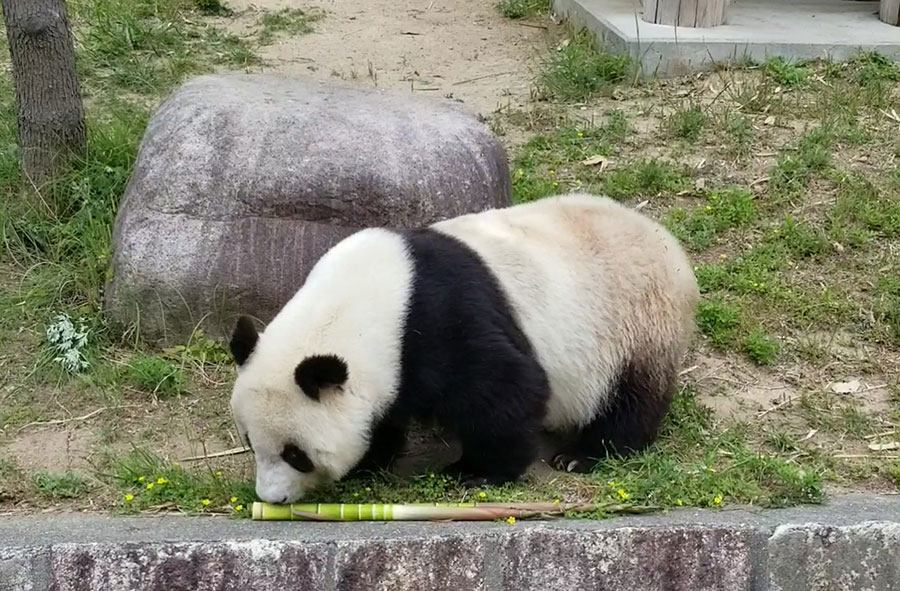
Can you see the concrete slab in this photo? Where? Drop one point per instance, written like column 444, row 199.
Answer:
column 756, row 29
column 852, row 542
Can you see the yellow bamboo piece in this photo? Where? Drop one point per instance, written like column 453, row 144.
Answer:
column 426, row 511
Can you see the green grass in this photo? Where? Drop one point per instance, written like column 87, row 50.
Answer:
column 688, row 123
column 645, row 178
column 698, row 464
column 761, row 348
column 719, row 321
column 287, row 21
column 144, row 480
column 518, row 9
column 148, row 47
column 155, row 375
column 579, row 71
column 785, row 72
column 61, row 486
column 724, row 209
column 694, row 462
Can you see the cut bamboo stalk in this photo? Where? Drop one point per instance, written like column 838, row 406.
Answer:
column 427, row 511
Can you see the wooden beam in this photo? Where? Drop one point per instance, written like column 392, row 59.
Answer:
column 889, row 12
column 687, row 13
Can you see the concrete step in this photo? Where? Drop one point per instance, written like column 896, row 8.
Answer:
column 851, row 543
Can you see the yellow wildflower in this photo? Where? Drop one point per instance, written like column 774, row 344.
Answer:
column 510, row 520
column 219, row 474
column 679, row 503
column 149, row 485
column 129, row 497
column 205, row 502
column 556, row 501
column 234, row 500
column 161, row 480
column 141, row 479
column 623, row 495
column 482, row 495
column 709, row 208
column 239, row 508
column 520, row 172
column 580, row 134
column 717, row 500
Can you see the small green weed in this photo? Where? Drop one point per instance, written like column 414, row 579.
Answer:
column 155, row 375
column 517, row 9
column 688, row 123
column 785, row 72
column 740, row 134
column 578, row 70
column 645, row 178
column 801, row 240
column 725, row 209
column 61, row 486
column 199, row 350
column 288, row 21
column 795, row 169
column 719, row 321
column 761, row 348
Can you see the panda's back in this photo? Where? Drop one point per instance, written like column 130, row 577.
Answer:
column 592, row 284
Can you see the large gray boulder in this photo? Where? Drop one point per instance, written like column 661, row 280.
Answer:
column 243, row 181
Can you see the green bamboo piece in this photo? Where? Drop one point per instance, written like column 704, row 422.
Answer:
column 426, row 511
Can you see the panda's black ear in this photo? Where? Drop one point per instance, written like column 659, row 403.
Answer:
column 243, row 340
column 318, row 371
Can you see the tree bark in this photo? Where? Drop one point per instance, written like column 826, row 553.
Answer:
column 48, row 98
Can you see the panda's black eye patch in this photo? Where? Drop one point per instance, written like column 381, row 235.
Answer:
column 297, row 458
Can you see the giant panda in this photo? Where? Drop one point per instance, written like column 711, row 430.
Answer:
column 567, row 314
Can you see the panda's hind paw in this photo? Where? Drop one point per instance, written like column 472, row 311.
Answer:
column 570, row 463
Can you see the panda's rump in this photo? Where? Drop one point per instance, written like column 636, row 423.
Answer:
column 595, row 286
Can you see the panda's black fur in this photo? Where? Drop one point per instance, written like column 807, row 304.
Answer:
column 466, row 364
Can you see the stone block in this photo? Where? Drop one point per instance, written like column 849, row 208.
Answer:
column 645, row 559
column 243, row 181
column 211, row 566
column 862, row 557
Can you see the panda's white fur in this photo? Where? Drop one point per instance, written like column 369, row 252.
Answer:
column 594, row 286
column 333, row 311
column 571, row 266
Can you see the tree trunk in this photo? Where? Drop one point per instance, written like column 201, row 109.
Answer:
column 889, row 12
column 685, row 13
column 50, row 109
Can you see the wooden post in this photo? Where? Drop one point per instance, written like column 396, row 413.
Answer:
column 48, row 98
column 889, row 12
column 686, row 13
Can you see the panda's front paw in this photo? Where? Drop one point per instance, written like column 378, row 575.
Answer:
column 570, row 463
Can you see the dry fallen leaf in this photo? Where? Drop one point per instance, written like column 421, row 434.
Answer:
column 770, row 120
column 885, row 446
column 845, row 387
column 596, row 160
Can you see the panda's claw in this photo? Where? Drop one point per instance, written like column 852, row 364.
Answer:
column 568, row 463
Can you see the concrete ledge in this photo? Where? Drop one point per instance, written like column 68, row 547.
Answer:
column 757, row 29
column 851, row 543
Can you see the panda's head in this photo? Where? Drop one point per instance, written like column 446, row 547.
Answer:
column 298, row 413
